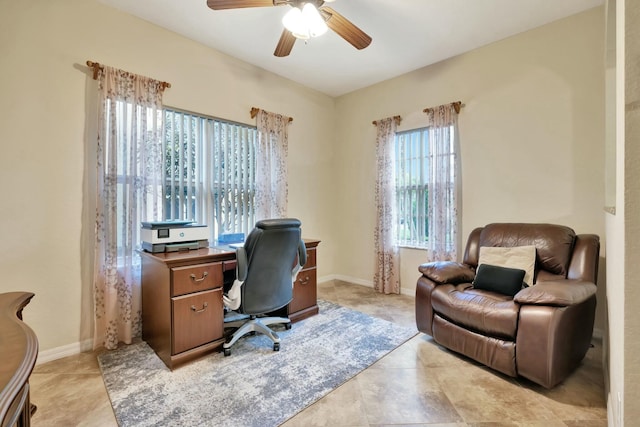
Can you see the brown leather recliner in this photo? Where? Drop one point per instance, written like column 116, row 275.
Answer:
column 544, row 331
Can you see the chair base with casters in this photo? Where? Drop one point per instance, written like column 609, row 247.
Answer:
column 255, row 324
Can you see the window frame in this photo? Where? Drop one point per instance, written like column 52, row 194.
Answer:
column 197, row 185
column 411, row 186
column 409, row 190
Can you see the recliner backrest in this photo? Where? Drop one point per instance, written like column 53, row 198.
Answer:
column 271, row 250
column 555, row 247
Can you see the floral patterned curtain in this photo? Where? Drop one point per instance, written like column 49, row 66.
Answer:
column 387, row 277
column 271, row 168
column 129, row 190
column 444, row 185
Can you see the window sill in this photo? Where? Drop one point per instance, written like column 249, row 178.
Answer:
column 422, row 248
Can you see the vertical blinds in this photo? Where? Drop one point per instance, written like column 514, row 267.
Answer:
column 412, row 181
column 209, row 172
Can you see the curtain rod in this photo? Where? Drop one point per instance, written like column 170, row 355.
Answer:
column 456, row 106
column 255, row 111
column 398, row 119
column 96, row 66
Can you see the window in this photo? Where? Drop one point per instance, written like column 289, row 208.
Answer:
column 412, row 172
column 416, row 174
column 209, row 169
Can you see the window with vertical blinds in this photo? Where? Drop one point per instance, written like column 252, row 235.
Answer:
column 416, row 167
column 412, row 187
column 209, row 171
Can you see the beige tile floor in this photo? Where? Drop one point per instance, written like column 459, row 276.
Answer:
column 418, row 384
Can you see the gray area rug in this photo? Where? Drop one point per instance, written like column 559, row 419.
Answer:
column 254, row 386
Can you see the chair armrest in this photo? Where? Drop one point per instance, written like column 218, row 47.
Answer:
column 241, row 264
column 557, row 293
column 442, row 272
column 302, row 253
column 233, row 298
column 302, row 260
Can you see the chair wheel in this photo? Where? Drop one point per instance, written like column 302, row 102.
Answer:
column 276, row 346
column 287, row 326
column 227, row 352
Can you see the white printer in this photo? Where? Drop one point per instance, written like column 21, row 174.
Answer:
column 173, row 236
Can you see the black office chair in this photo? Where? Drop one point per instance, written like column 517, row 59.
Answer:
column 265, row 273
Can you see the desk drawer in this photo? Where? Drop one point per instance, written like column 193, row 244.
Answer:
column 195, row 278
column 304, row 291
column 197, row 319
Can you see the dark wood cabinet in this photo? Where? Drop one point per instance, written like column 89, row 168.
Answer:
column 305, row 294
column 182, row 313
column 19, row 349
column 182, row 310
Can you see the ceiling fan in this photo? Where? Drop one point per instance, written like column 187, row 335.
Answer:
column 319, row 14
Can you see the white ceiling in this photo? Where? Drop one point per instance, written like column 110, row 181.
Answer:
column 407, row 34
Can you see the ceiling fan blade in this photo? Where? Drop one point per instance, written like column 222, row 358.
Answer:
column 285, row 44
column 237, row 4
column 345, row 28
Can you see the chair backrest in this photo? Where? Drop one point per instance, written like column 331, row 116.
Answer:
column 271, row 250
column 560, row 252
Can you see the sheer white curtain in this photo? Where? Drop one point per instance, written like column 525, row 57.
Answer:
column 271, row 166
column 444, row 183
column 129, row 190
column 387, row 276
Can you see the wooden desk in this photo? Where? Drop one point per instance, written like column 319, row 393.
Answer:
column 19, row 353
column 182, row 310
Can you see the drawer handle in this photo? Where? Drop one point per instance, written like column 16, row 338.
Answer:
column 303, row 281
column 193, row 276
column 204, row 307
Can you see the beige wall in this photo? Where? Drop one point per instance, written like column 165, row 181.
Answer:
column 531, row 136
column 613, row 345
column 631, row 154
column 623, row 227
column 45, row 215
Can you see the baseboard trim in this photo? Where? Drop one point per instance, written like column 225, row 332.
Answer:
column 354, row 280
column 368, row 283
column 328, row 278
column 64, row 351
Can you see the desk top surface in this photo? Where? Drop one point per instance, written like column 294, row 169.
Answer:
column 210, row 254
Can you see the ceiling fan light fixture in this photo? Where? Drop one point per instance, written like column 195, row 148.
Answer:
column 314, row 22
column 294, row 22
column 304, row 23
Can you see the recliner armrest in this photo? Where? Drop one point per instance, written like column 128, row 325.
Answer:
column 556, row 293
column 451, row 272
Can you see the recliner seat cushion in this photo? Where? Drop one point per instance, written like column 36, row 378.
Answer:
column 487, row 312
